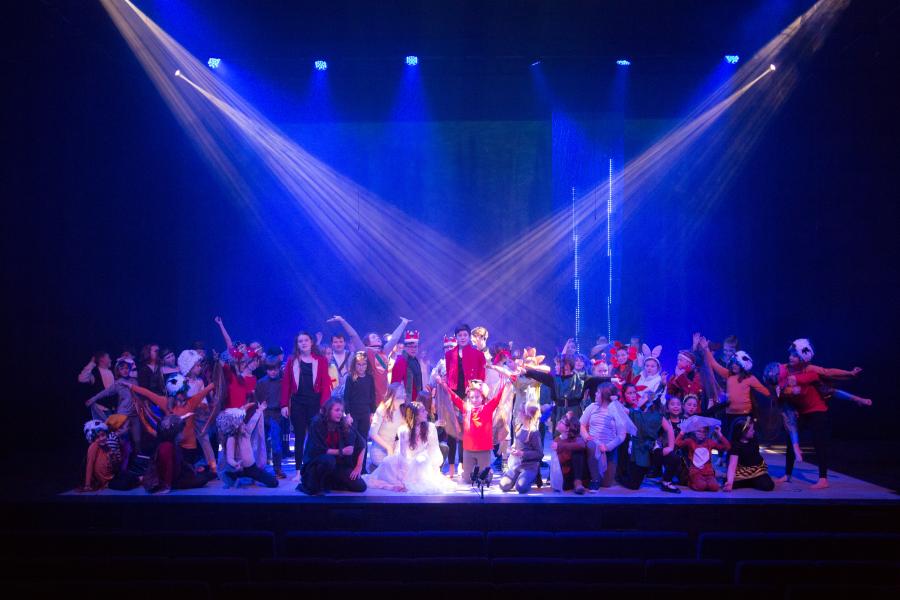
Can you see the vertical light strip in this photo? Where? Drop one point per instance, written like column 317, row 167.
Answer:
column 577, row 278
column 609, row 252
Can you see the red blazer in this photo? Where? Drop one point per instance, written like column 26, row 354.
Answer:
column 398, row 375
column 473, row 365
column 321, row 381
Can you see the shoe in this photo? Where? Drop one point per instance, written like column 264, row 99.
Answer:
column 594, row 485
column 539, row 481
column 579, row 489
column 669, row 488
column 280, row 474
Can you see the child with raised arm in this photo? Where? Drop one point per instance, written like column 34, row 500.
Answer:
column 478, row 428
column 701, row 475
column 739, row 384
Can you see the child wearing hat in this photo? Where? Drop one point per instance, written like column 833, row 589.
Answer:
column 739, row 382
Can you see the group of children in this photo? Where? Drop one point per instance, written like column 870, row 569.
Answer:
column 372, row 411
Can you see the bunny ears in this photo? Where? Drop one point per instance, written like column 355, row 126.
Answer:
column 651, row 354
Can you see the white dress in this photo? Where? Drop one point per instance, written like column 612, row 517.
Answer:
column 386, row 427
column 417, row 470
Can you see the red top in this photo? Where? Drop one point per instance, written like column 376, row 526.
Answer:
column 321, row 381
column 398, row 375
column 474, row 365
column 238, row 388
column 809, row 400
column 378, row 362
column 478, row 421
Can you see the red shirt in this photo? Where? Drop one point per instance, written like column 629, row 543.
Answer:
column 809, row 400
column 478, row 421
column 238, row 388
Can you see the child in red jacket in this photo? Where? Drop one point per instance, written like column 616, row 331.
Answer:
column 701, row 475
column 478, row 424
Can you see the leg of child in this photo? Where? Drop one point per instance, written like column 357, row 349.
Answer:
column 853, row 398
column 260, row 475
column 509, row 479
column 526, row 480
column 821, row 429
column 609, row 475
column 208, row 454
column 316, row 473
column 696, row 480
column 593, row 462
column 712, row 484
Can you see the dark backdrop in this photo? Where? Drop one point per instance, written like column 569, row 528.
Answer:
column 116, row 232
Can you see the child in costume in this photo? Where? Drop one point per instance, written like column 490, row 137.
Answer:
column 651, row 384
column 699, row 446
column 333, row 453
column 649, row 425
column 168, row 469
column 100, row 463
column 237, row 458
column 739, row 384
column 746, row 467
column 478, row 418
column 416, row 466
column 386, row 423
column 268, row 393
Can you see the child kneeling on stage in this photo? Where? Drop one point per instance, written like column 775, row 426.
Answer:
column 701, row 474
column 333, row 455
column 238, row 460
column 526, row 454
column 746, row 467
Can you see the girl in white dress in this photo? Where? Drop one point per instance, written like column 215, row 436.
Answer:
column 385, row 424
column 416, row 467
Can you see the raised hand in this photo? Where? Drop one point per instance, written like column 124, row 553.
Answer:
column 218, row 320
column 856, row 371
column 335, row 319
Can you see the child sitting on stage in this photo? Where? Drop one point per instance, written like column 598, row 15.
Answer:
column 526, row 454
column 746, row 467
column 701, row 475
column 238, row 459
column 478, row 418
column 570, row 451
column 333, row 454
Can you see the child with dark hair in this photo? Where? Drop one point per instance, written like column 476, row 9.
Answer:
column 570, row 450
column 168, row 469
column 333, row 454
column 739, row 384
column 635, row 461
column 100, row 466
column 268, row 394
column 603, row 428
column 746, row 467
column 701, row 475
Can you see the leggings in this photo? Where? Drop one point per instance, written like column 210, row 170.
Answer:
column 454, row 448
column 303, row 409
column 820, row 426
column 703, row 482
column 672, row 465
column 608, row 475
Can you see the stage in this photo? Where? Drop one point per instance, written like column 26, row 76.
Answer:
column 848, row 503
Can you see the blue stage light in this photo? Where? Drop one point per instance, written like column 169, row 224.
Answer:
column 214, row 63
column 623, row 62
column 412, row 61
column 732, row 59
column 321, row 65
column 536, row 63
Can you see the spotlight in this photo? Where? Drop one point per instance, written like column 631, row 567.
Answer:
column 412, row 61
column 177, row 72
column 732, row 59
column 623, row 62
column 214, row 63
column 321, row 65
column 536, row 63
column 771, row 67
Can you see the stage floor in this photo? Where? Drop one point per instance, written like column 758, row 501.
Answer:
column 842, row 488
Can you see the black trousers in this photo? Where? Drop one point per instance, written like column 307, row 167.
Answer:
column 577, row 470
column 762, row 483
column 820, row 426
column 672, row 466
column 255, row 473
column 362, row 421
column 632, row 476
column 303, row 409
column 326, row 472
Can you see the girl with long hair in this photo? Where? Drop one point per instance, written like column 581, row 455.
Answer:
column 526, row 454
column 305, row 386
column 359, row 393
column 333, row 453
column 386, row 423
